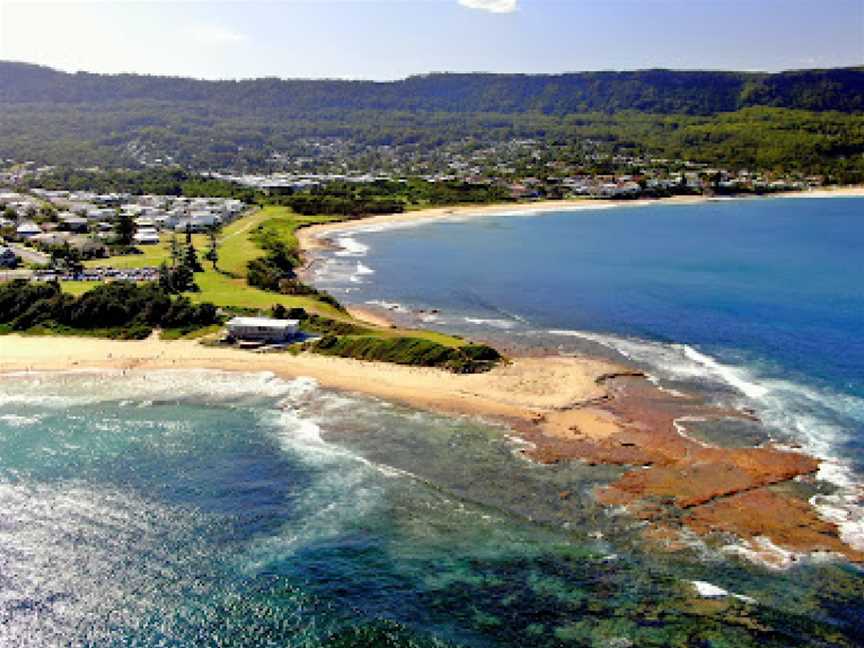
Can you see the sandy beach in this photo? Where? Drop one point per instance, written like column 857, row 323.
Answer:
column 520, row 390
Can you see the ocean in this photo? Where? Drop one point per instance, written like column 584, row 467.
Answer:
column 191, row 508
column 761, row 300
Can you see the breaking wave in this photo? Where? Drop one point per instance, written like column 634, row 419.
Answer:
column 822, row 421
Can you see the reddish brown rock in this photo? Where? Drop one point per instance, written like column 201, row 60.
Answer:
column 787, row 521
column 717, row 489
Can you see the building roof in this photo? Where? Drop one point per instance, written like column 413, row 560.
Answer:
column 28, row 226
column 263, row 322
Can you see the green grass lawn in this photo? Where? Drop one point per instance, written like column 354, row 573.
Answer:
column 228, row 291
column 227, row 287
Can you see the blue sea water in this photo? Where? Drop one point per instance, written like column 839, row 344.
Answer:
column 764, row 297
column 199, row 508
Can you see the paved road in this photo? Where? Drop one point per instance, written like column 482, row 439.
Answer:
column 9, row 275
column 30, row 256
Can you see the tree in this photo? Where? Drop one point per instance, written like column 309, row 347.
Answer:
column 212, row 254
column 182, row 279
column 65, row 257
column 166, row 279
column 190, row 259
column 175, row 250
column 124, row 229
column 176, row 279
column 48, row 213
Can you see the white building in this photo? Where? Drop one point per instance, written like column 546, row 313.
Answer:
column 145, row 222
column 262, row 329
column 27, row 230
column 166, row 221
column 146, row 236
column 101, row 214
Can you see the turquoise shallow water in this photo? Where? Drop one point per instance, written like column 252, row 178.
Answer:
column 200, row 508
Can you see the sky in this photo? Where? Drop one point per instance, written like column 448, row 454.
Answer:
column 390, row 39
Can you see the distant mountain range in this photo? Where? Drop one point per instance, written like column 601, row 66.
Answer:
column 808, row 121
column 650, row 91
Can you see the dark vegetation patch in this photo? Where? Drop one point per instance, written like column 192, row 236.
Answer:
column 413, row 351
column 121, row 309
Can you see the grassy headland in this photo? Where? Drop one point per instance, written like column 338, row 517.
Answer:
column 262, row 248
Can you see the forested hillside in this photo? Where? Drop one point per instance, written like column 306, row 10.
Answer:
column 806, row 120
column 652, row 91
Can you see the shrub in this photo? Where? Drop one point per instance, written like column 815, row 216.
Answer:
column 118, row 309
column 412, row 351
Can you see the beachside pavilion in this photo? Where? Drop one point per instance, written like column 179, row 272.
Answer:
column 262, row 329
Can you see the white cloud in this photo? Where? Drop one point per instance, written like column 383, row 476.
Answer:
column 493, row 6
column 215, row 35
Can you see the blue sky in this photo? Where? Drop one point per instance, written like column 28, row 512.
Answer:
column 387, row 39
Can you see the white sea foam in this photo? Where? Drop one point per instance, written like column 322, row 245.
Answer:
column 763, row 551
column 784, row 405
column 137, row 388
column 819, row 420
column 844, row 508
column 681, row 428
column 396, row 307
column 351, row 247
column 494, row 322
column 345, row 486
column 733, row 376
column 709, row 590
column 359, row 272
column 679, row 362
column 16, row 421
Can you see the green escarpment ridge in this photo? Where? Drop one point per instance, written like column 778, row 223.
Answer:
column 809, row 121
column 652, row 91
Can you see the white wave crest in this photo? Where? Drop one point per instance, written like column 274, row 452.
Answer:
column 16, row 421
column 396, row 307
column 494, row 322
column 709, row 590
column 360, row 271
column 351, row 247
column 141, row 388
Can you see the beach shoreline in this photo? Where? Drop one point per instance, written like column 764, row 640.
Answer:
column 565, row 409
column 316, row 237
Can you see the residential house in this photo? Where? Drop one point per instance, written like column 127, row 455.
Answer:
column 146, row 236
column 27, row 230
column 74, row 223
